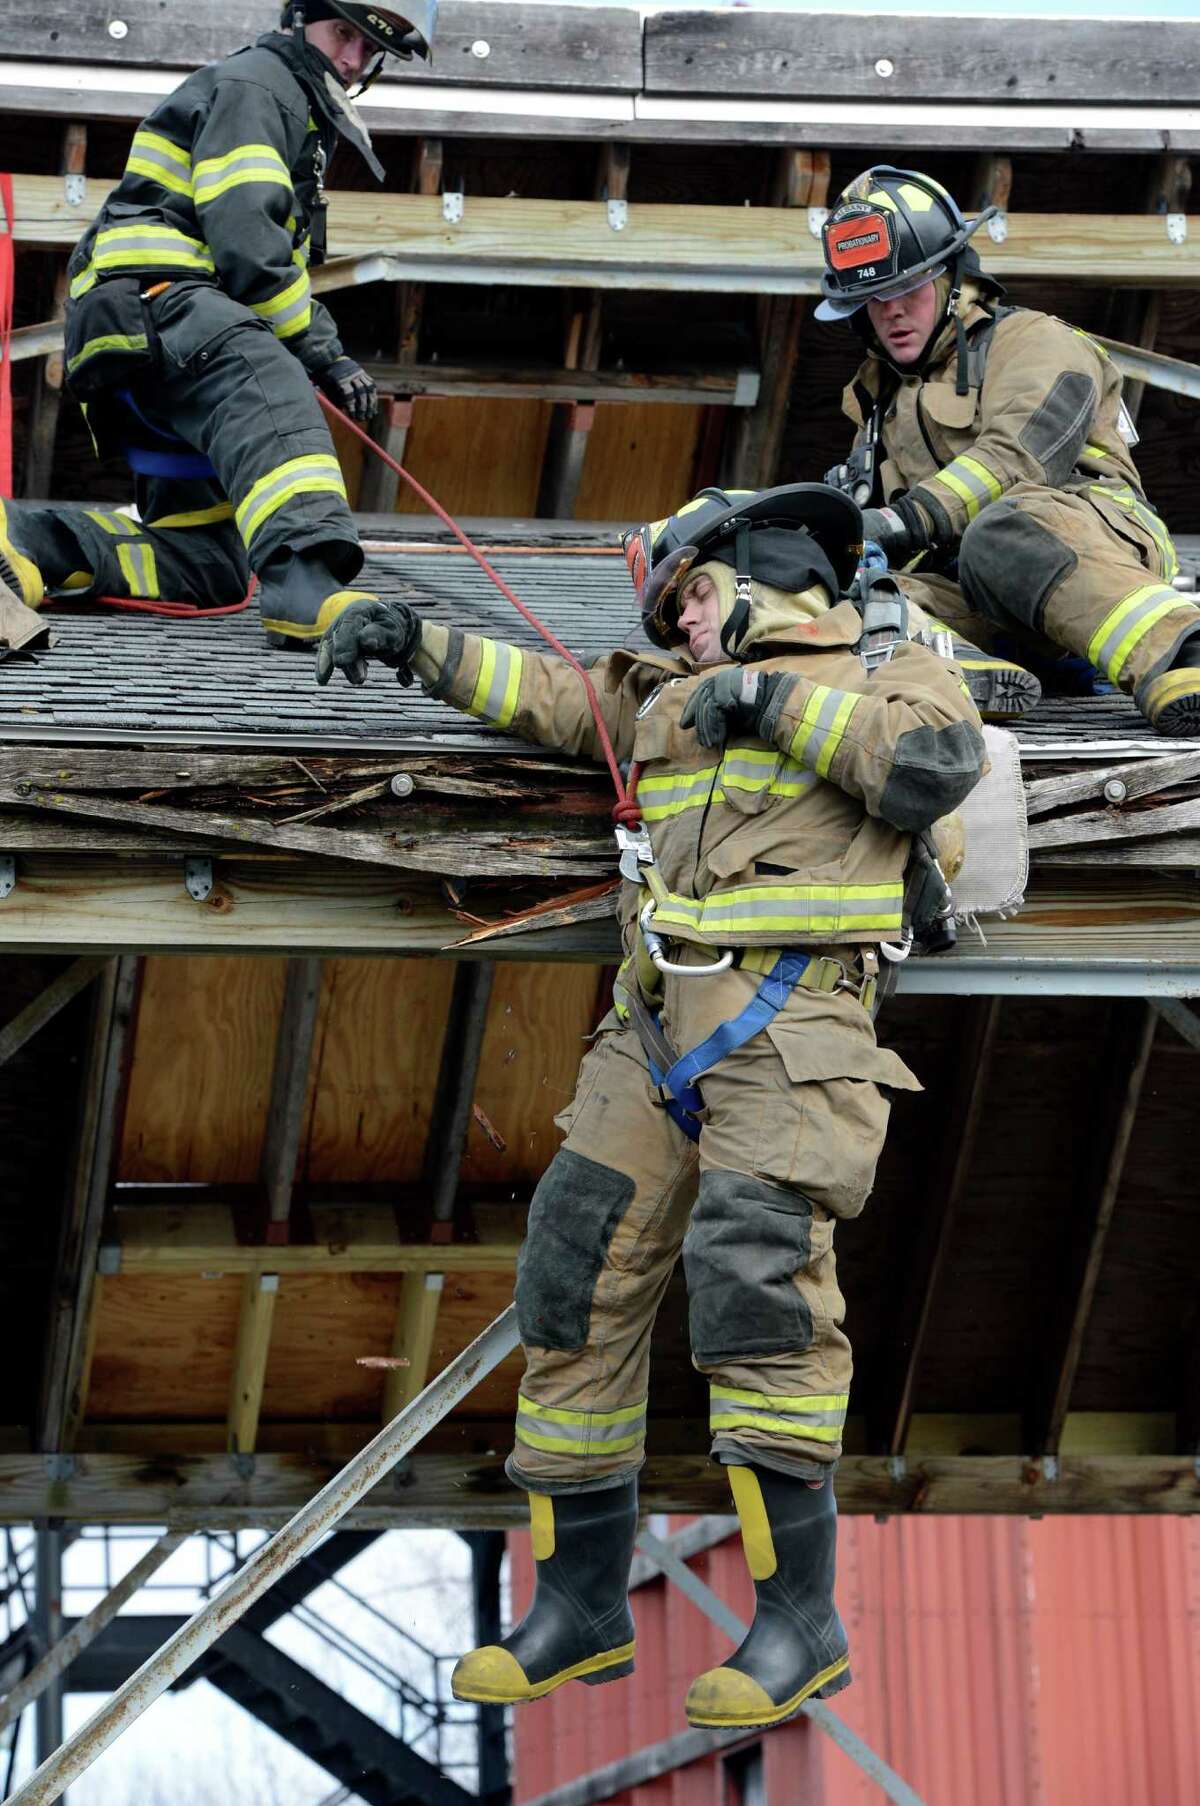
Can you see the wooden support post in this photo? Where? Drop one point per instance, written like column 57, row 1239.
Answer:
column 1131, row 1038
column 412, row 1340
column 46, row 1005
column 289, row 1091
column 891, row 1414
column 71, row 1318
column 380, row 487
column 46, row 402
column 567, row 441
column 259, row 1292
column 754, row 442
column 991, row 184
column 1136, row 313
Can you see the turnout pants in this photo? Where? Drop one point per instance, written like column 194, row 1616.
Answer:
column 793, row 1125
column 223, row 383
column 1089, row 570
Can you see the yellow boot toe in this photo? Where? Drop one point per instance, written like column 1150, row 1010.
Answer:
column 724, row 1696
column 19, row 573
column 491, row 1676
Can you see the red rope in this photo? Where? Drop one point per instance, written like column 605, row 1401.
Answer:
column 626, row 811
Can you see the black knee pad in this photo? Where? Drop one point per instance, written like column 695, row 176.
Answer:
column 746, row 1242
column 1009, row 566
column 575, row 1209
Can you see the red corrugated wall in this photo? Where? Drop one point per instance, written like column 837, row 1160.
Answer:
column 997, row 1662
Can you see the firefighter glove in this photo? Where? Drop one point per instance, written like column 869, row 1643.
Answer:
column 388, row 631
column 899, row 530
column 735, row 702
column 348, row 385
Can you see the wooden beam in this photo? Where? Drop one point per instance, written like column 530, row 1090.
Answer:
column 256, row 1315
column 457, row 1491
column 905, row 1343
column 755, row 439
column 1110, row 1128
column 412, row 1340
column 47, row 1004
column 349, row 1239
column 458, row 1070
column 1182, row 1017
column 1134, row 316
column 730, row 250
column 46, row 399
column 289, row 1091
column 722, row 388
column 70, row 1325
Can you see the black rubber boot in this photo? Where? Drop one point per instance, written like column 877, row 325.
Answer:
column 1000, row 687
column 299, row 596
column 579, row 1626
column 796, row 1648
column 1172, row 700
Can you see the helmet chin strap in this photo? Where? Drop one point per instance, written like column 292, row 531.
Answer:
column 734, row 630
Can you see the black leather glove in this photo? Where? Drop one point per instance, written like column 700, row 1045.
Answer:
column 899, row 530
column 348, row 384
column 388, row 631
column 734, row 702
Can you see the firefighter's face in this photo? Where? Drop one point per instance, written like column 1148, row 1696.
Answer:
column 903, row 326
column 700, row 619
column 348, row 50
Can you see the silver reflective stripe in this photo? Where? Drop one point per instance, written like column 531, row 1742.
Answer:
column 592, row 1433
column 823, row 726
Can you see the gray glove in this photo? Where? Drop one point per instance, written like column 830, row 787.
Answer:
column 388, row 631
column 735, row 702
column 899, row 530
column 347, row 383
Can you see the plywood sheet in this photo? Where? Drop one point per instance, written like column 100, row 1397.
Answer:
column 640, row 461
column 379, row 1035
column 351, row 454
column 164, row 1349
column 534, row 1042
column 201, row 1078
column 476, row 456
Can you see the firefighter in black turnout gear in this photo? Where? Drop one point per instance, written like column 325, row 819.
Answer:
column 193, row 338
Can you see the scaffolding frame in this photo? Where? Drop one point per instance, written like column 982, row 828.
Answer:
column 280, row 1553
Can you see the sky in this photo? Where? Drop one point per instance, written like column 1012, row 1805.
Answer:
column 1031, row 9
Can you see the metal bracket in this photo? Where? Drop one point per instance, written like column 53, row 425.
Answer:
column 816, row 219
column 997, row 226
column 8, row 874
column 198, row 878
column 1177, row 228
column 76, row 190
column 897, row 1469
column 108, row 1261
column 1049, row 1467
column 243, row 1466
column 618, row 215
column 745, row 392
column 453, row 203
column 60, row 1467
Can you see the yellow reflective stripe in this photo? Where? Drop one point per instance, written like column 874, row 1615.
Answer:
column 139, row 568
column 318, row 473
column 822, row 727
column 161, row 161
column 1133, row 504
column 972, row 482
column 1128, row 623
column 494, row 697
column 785, row 909
column 1095, row 451
column 87, row 279
column 784, row 1401
column 580, row 1432
column 290, row 311
column 112, row 523
column 555, row 1413
column 661, row 797
column 198, row 517
column 565, row 1445
column 149, row 247
column 111, row 341
column 755, row 1524
column 215, row 176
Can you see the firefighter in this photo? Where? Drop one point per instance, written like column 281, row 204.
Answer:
column 731, row 1105
column 193, row 338
column 993, row 456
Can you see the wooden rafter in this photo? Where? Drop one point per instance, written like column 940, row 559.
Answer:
column 891, row 1415
column 46, row 1005
column 1135, row 315
column 289, row 1091
column 70, row 1321
column 256, row 1315
column 1110, row 1129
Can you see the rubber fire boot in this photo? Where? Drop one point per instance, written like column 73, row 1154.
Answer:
column 1171, row 701
column 17, row 572
column 1000, row 687
column 299, row 596
column 796, row 1647
column 579, row 1626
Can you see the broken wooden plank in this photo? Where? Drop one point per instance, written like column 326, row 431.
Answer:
column 1146, row 777
column 1114, row 824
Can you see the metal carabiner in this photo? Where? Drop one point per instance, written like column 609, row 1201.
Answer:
column 654, row 948
column 896, row 951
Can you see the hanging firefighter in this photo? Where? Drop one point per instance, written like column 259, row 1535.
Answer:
column 734, row 1103
column 193, row 338
column 993, row 456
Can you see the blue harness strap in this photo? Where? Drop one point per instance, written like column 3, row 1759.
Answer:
column 164, row 460
column 683, row 1101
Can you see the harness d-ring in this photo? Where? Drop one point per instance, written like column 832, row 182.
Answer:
column 654, row 948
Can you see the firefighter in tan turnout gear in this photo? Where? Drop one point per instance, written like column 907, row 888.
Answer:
column 193, row 338
column 735, row 1102
column 992, row 455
